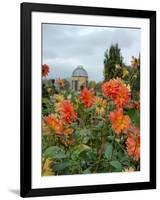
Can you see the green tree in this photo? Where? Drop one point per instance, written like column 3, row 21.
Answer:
column 112, row 59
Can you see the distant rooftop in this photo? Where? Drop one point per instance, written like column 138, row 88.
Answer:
column 79, row 71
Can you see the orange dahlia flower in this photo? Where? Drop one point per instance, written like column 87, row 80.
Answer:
column 67, row 111
column 58, row 125
column 45, row 70
column 55, row 124
column 87, row 97
column 117, row 91
column 133, row 143
column 120, row 123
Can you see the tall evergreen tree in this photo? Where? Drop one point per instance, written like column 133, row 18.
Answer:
column 113, row 57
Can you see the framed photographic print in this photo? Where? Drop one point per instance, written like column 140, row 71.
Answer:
column 88, row 99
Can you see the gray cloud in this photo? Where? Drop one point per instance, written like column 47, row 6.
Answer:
column 66, row 46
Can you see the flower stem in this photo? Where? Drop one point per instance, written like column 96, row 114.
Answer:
column 100, row 151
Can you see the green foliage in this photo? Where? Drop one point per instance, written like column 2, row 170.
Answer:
column 54, row 152
column 135, row 116
column 108, row 151
column 117, row 165
column 47, row 106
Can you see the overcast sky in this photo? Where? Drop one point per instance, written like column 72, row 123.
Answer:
column 66, row 46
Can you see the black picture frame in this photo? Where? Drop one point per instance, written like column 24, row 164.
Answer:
column 26, row 114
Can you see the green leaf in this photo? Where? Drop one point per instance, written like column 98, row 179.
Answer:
column 108, row 151
column 125, row 160
column 61, row 166
column 135, row 116
column 116, row 164
column 54, row 152
column 80, row 148
column 120, row 154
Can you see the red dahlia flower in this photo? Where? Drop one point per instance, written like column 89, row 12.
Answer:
column 87, row 97
column 67, row 111
column 45, row 70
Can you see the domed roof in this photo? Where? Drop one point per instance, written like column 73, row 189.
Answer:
column 79, row 71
